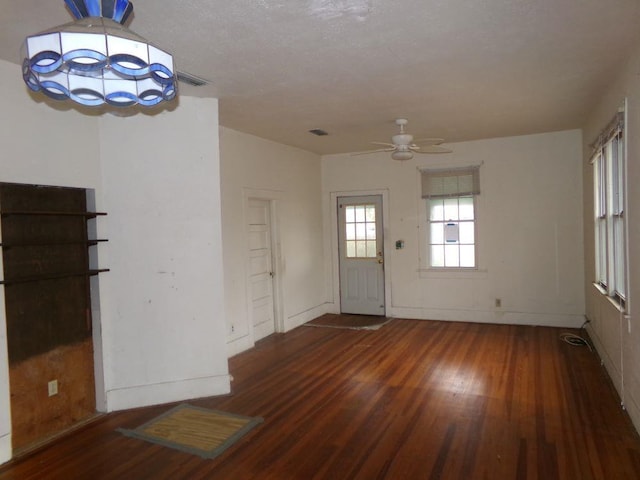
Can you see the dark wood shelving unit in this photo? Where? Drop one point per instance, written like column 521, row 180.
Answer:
column 49, row 250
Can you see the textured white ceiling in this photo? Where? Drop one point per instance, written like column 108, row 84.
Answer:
column 458, row 69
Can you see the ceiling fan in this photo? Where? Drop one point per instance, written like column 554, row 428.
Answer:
column 403, row 146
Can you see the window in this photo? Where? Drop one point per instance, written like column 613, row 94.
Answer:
column 609, row 192
column 360, row 224
column 451, row 216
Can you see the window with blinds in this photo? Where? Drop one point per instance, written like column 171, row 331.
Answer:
column 451, row 210
column 609, row 182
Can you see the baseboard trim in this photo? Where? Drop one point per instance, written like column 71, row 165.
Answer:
column 495, row 317
column 167, row 392
column 239, row 345
column 5, row 448
column 308, row 315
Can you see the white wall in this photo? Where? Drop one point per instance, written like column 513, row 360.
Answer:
column 529, row 231
column 290, row 178
column 164, row 294
column 617, row 338
column 162, row 333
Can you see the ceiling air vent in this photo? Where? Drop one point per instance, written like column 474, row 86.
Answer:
column 319, row 132
column 191, row 79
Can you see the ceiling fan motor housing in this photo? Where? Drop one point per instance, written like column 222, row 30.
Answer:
column 402, row 139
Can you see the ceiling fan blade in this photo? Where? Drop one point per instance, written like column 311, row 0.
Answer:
column 373, row 151
column 432, row 149
column 429, row 141
column 384, row 144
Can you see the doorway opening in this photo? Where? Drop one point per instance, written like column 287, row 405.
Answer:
column 47, row 268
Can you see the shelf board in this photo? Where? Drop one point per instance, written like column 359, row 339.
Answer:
column 6, row 213
column 53, row 276
column 46, row 244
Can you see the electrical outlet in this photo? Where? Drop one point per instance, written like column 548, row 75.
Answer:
column 53, row 387
column 498, row 302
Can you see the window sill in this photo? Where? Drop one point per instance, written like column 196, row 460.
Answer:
column 452, row 273
column 611, row 300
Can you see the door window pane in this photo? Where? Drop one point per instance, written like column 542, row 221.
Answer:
column 371, row 231
column 371, row 249
column 350, row 214
column 371, row 213
column 351, row 249
column 360, row 230
column 351, row 231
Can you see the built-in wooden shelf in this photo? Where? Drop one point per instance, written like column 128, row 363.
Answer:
column 6, row 213
column 52, row 276
column 88, row 243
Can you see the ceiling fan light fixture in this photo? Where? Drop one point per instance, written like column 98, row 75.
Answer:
column 96, row 60
column 402, row 155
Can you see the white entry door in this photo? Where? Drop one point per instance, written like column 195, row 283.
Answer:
column 260, row 268
column 361, row 255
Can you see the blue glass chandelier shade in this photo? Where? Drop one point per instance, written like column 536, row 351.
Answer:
column 95, row 60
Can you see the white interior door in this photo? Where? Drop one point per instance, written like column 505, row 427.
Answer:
column 260, row 268
column 361, row 255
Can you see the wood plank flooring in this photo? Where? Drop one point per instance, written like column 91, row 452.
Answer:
column 413, row 400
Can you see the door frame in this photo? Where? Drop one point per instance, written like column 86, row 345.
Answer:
column 335, row 253
column 273, row 197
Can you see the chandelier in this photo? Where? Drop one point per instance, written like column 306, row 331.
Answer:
column 95, row 60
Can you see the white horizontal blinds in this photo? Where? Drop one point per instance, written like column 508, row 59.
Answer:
column 451, row 182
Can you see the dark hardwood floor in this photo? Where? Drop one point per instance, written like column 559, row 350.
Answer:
column 413, row 400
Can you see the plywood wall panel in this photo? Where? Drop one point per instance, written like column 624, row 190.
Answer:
column 35, row 414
